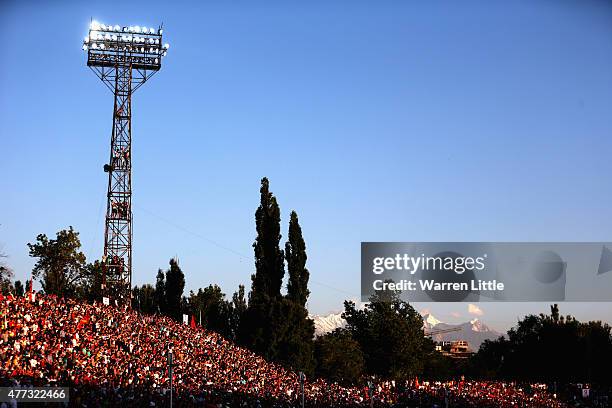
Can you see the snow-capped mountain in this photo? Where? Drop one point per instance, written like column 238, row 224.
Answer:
column 474, row 332
column 429, row 321
column 327, row 324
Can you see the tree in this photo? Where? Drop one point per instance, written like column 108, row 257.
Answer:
column 90, row 287
column 295, row 253
column 262, row 323
column 143, row 299
column 175, row 284
column 555, row 347
column 19, row 289
column 160, row 292
column 210, row 304
column 60, row 263
column 339, row 357
column 239, row 307
column 294, row 337
column 269, row 259
column 296, row 347
column 390, row 334
column 6, row 274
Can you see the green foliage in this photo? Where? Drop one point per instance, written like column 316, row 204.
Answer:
column 556, row 348
column 215, row 311
column 274, row 326
column 6, row 275
column 260, row 328
column 339, row 357
column 390, row 334
column 261, row 324
column 60, row 263
column 239, row 308
column 19, row 289
column 90, row 287
column 160, row 292
column 438, row 366
column 175, row 285
column 269, row 258
column 295, row 333
column 295, row 252
column 143, row 299
column 296, row 348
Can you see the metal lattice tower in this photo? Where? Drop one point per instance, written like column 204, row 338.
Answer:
column 124, row 58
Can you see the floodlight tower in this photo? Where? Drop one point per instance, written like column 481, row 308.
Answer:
column 124, row 58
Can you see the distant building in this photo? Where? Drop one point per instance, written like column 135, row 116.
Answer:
column 454, row 349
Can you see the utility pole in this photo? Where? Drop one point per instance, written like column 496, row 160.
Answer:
column 302, row 378
column 170, row 373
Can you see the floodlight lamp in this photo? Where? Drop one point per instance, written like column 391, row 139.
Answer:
column 117, row 28
column 166, row 45
column 84, row 47
column 94, row 25
column 160, row 31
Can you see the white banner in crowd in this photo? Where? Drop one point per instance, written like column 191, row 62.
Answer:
column 105, row 301
column 185, row 319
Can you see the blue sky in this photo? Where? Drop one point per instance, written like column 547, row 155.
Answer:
column 375, row 121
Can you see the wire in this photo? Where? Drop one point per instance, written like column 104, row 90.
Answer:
column 193, row 233
column 237, row 253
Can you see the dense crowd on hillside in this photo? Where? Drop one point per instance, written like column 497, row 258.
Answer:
column 109, row 355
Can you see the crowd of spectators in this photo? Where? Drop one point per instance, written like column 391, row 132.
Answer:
column 111, row 356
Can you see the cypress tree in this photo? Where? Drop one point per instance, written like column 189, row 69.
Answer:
column 295, row 253
column 269, row 258
column 160, row 292
column 295, row 346
column 175, row 284
column 19, row 289
column 261, row 328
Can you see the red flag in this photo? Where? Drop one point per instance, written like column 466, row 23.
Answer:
column 193, row 323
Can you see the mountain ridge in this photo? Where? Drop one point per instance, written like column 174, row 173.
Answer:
column 474, row 331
